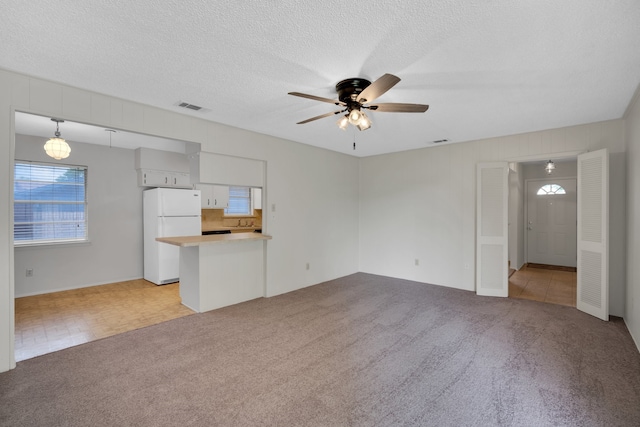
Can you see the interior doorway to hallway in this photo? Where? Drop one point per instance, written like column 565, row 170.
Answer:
column 543, row 232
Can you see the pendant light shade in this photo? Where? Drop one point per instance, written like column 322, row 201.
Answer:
column 550, row 167
column 57, row 147
column 343, row 122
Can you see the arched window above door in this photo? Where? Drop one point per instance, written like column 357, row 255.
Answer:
column 550, row 189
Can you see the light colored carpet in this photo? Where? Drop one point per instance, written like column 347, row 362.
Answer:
column 362, row 350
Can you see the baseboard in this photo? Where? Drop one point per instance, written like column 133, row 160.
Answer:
column 635, row 341
column 70, row 288
column 551, row 267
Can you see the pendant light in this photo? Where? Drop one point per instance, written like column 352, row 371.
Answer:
column 57, row 147
column 550, row 167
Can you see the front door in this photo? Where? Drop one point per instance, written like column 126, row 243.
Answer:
column 551, row 222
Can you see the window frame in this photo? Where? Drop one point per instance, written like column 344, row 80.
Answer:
column 246, row 200
column 51, row 241
column 554, row 190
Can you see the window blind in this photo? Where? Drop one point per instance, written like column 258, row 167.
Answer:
column 239, row 201
column 50, row 203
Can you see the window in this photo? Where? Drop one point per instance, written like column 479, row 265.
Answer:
column 239, row 201
column 550, row 189
column 50, row 203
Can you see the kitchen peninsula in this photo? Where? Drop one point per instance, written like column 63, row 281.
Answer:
column 221, row 269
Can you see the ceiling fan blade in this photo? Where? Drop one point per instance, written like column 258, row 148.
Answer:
column 322, row 116
column 377, row 88
column 317, row 98
column 393, row 107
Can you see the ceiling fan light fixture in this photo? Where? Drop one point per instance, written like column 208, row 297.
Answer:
column 343, row 123
column 57, row 147
column 354, row 116
column 364, row 123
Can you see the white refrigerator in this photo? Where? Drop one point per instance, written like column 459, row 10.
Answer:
column 168, row 212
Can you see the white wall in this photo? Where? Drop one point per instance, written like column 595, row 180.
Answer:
column 632, row 314
column 115, row 224
column 421, row 204
column 315, row 191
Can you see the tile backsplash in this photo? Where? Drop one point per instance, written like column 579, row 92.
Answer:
column 214, row 218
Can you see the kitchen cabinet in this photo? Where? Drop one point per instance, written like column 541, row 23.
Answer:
column 214, row 196
column 157, row 168
column 211, row 168
column 159, row 160
column 256, row 198
column 157, row 178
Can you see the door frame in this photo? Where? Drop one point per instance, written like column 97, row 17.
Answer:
column 566, row 156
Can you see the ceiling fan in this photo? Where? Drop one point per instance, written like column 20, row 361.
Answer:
column 356, row 95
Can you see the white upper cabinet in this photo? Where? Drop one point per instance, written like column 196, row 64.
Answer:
column 211, row 168
column 156, row 178
column 214, row 196
column 157, row 168
column 256, row 198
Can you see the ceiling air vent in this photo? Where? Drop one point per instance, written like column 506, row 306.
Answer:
column 189, row 106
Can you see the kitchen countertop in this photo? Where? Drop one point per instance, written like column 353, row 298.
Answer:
column 213, row 239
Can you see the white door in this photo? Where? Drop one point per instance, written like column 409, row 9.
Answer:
column 492, row 229
column 551, row 222
column 593, row 239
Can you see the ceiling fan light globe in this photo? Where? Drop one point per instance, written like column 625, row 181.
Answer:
column 354, row 117
column 364, row 123
column 343, row 123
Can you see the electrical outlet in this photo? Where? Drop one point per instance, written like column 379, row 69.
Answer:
column 417, row 261
column 308, row 266
column 29, row 272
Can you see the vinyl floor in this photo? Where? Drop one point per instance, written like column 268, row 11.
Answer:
column 546, row 285
column 50, row 322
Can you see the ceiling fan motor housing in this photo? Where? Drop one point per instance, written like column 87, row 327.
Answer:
column 349, row 89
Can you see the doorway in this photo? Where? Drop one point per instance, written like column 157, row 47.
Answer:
column 72, row 292
column 492, row 237
column 545, row 233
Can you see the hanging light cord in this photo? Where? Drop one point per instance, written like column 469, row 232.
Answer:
column 354, row 139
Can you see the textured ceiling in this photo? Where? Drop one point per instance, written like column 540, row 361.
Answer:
column 486, row 68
